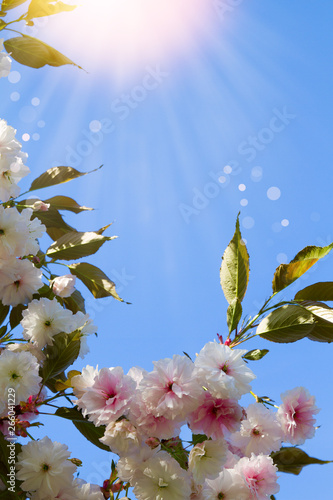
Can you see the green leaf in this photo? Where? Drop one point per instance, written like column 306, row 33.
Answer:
column 16, row 315
column 234, row 273
column 10, row 4
column 292, row 460
column 104, row 228
column 60, row 355
column 75, row 245
column 286, row 324
column 234, row 314
column 83, row 425
column 286, row 274
column 51, row 383
column 57, row 175
column 3, row 331
column 74, row 302
column 35, row 53
column 4, row 310
column 42, row 8
column 198, row 438
column 174, row 447
column 317, row 292
column 66, row 203
column 323, row 327
column 95, row 280
column 255, row 354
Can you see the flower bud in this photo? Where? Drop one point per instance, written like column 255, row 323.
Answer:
column 63, row 286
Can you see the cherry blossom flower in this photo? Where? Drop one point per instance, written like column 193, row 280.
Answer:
column 128, row 465
column 63, row 286
column 19, row 280
column 260, row 432
column 44, row 468
column 35, row 230
column 296, row 415
column 259, row 474
column 108, row 397
column 229, row 485
column 19, row 371
column 122, row 437
column 150, row 425
column 80, row 383
column 161, row 478
column 223, row 371
column 207, row 459
column 9, row 145
column 12, row 170
column 215, row 417
column 84, row 323
column 5, row 61
column 43, row 319
column 13, row 233
column 171, row 389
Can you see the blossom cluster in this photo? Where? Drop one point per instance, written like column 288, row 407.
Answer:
column 142, row 414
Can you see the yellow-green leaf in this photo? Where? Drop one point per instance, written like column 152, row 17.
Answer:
column 235, row 269
column 234, row 314
column 323, row 327
column 57, row 175
column 10, row 4
column 95, row 280
column 285, row 324
column 35, row 53
column 74, row 302
column 66, row 203
column 286, row 274
column 75, row 245
column 42, row 8
column 255, row 354
column 292, row 460
column 319, row 291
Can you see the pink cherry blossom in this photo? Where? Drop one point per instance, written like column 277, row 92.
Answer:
column 108, row 397
column 171, row 389
column 19, row 280
column 215, row 417
column 150, row 425
column 260, row 432
column 296, row 415
column 259, row 475
column 223, row 371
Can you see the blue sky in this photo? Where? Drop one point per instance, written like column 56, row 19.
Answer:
column 255, row 95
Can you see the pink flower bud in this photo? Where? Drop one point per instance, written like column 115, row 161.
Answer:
column 63, row 286
column 40, row 205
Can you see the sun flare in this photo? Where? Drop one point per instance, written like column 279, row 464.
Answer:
column 124, row 35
